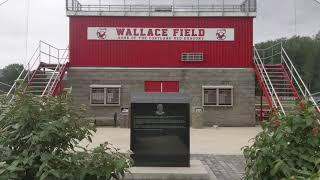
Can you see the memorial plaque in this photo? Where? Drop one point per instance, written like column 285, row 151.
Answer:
column 160, row 133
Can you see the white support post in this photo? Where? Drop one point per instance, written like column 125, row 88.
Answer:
column 39, row 52
column 49, row 55
column 272, row 58
column 198, row 7
column 59, row 57
column 149, row 3
column 173, row 6
column 281, row 51
column 249, row 5
column 291, row 72
column 222, row 7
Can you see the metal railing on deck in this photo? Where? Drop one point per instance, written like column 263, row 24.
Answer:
column 97, row 6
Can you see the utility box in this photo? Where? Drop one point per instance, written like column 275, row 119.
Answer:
column 160, row 129
column 124, row 118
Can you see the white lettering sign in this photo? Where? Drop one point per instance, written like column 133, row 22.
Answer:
column 161, row 34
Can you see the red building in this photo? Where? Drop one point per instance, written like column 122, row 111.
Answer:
column 202, row 50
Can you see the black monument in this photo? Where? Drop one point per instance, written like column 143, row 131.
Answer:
column 160, row 133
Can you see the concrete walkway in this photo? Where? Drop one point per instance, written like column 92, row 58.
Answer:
column 216, row 141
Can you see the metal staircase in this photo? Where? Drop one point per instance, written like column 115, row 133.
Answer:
column 44, row 73
column 280, row 81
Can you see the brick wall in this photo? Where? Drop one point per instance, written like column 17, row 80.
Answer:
column 191, row 81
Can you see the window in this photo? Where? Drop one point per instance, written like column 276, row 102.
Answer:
column 217, row 95
column 105, row 95
column 192, row 57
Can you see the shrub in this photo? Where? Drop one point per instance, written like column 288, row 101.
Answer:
column 287, row 148
column 39, row 140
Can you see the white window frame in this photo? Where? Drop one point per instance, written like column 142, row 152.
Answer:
column 217, row 91
column 105, row 95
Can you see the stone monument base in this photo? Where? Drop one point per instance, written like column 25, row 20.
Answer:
column 196, row 171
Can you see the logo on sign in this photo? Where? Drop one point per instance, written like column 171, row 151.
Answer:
column 102, row 33
column 221, row 34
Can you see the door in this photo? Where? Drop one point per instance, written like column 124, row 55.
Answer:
column 162, row 86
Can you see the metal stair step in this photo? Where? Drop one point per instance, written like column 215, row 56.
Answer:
column 281, row 84
column 40, row 78
column 41, row 82
column 272, row 65
column 287, row 98
column 282, row 88
column 279, row 80
column 285, row 92
column 54, row 74
column 34, row 91
column 275, row 72
column 37, row 87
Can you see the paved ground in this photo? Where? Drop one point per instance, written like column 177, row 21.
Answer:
column 219, row 149
column 222, row 167
column 220, row 141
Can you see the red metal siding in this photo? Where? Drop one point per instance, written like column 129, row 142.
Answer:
column 161, row 86
column 152, row 86
column 170, row 86
column 235, row 54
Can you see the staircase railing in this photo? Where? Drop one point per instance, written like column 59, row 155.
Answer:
column 25, row 74
column 266, row 79
column 59, row 71
column 45, row 53
column 276, row 54
column 296, row 78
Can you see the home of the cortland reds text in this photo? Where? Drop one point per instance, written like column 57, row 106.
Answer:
column 161, row 34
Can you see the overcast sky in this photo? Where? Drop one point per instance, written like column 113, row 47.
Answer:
column 47, row 22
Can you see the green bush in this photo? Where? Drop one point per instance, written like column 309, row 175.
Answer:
column 287, row 148
column 39, row 140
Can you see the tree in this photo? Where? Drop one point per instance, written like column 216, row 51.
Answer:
column 11, row 72
column 40, row 139
column 287, row 148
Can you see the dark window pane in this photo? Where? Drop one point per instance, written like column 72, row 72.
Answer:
column 97, row 96
column 112, row 96
column 225, row 97
column 210, row 97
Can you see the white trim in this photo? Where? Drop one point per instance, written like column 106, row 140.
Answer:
column 104, row 86
column 133, row 68
column 217, row 87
